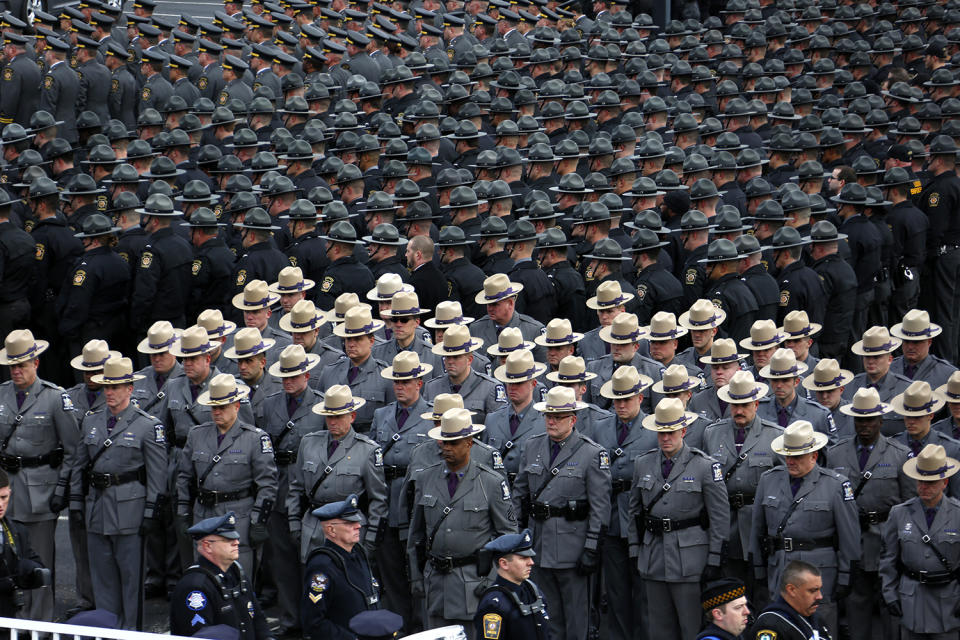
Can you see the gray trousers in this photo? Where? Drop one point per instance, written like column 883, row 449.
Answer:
column 946, row 308
column 116, row 574
column 567, row 594
column 625, row 602
column 675, row 608
column 78, row 542
column 38, row 603
column 867, row 619
column 283, row 557
column 391, row 557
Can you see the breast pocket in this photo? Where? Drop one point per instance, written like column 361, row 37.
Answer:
column 475, row 514
column 689, row 496
column 571, row 482
column 816, row 515
column 771, row 510
column 348, row 479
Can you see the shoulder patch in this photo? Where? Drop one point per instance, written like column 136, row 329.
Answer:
column 195, row 267
column 831, row 425
column 504, row 490
column 766, row 634
column 158, row 435
column 933, row 199
column 378, row 457
column 497, row 460
column 196, row 600
column 500, row 393
column 604, row 460
column 8, row 74
column 48, row 83
column 146, row 259
column 202, row 82
column 145, row 94
column 114, row 85
column 784, row 297
column 691, row 276
column 66, row 402
column 718, row 303
column 266, row 445
column 79, row 277
column 847, row 491
column 327, row 284
column 241, row 277
column 641, row 291
column 492, row 622
column 41, row 251
column 717, row 472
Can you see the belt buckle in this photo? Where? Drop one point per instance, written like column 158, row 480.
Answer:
column 618, row 452
column 873, row 517
column 396, row 437
column 736, row 500
column 788, row 544
column 926, row 540
column 215, row 459
column 866, row 476
column 667, row 524
column 447, row 510
column 328, row 470
column 508, row 445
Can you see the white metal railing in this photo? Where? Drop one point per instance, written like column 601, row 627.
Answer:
column 22, row 629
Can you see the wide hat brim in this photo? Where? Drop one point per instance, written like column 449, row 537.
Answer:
column 819, row 442
column 277, row 371
column 910, row 470
column 437, row 433
column 285, row 323
column 78, row 364
column 718, row 319
column 543, row 407
column 432, row 323
column 389, row 373
column 500, row 373
column 239, row 303
column 127, row 379
column 266, row 345
column 307, row 284
column 857, row 348
column 573, row 338
column 355, row 403
column 897, row 332
column 242, row 392
column 224, row 329
column 340, row 330
column 144, row 345
column 593, row 303
column 813, row 328
column 586, row 376
column 937, row 402
column 760, row 391
column 607, row 391
column 495, row 349
column 765, row 372
column 692, row 383
column 481, row 297
column 650, row 423
column 39, row 346
column 750, row 345
column 881, row 409
column 845, row 378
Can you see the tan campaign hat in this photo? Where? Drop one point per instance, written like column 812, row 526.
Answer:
column 669, row 415
column 559, row 333
column 798, row 439
column 223, row 390
column 457, row 341
column 571, row 369
column 213, row 321
column 723, row 351
column 256, row 295
column 293, row 361
column 865, row 404
column 876, row 341
column 826, row 376
column 337, row 401
column 194, row 341
column 161, row 336
column 663, row 326
column 343, row 303
column 94, row 355
column 763, row 335
column 20, row 346
column 248, row 343
column 291, row 280
column 796, row 324
column 742, row 389
column 448, row 314
column 917, row 400
column 404, row 303
column 931, row 464
column 387, row 285
column 625, row 329
column 358, row 322
column 302, row 318
column 455, row 424
column 442, row 403
column 560, row 400
column 916, row 325
column 609, row 295
column 675, row 379
column 406, row 366
column 519, row 367
column 117, row 370
column 702, row 314
column 783, row 364
column 626, row 382
column 950, row 390
column 496, row 288
column 509, row 341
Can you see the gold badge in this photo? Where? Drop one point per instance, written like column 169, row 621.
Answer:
column 202, row 82
column 102, row 203
column 223, row 97
column 48, row 83
column 327, row 284
column 195, row 268
column 641, row 291
column 784, row 298
column 146, row 260
column 40, row 251
column 934, row 199
column 79, row 277
column 145, row 94
column 241, row 277
column 8, row 74
column 691, row 276
column 124, row 255
column 492, row 623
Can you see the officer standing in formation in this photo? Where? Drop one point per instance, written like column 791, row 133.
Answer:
column 21, row 567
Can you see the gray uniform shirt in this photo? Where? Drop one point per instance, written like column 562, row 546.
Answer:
column 498, row 435
column 397, row 445
column 481, row 393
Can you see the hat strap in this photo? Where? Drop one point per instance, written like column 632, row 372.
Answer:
column 348, row 405
column 261, row 301
column 612, row 302
column 676, row 387
column 300, row 325
column 831, row 381
column 922, row 332
column 886, row 346
column 299, row 286
column 799, row 332
column 463, row 433
column 776, row 338
column 245, row 352
column 743, row 396
column 701, row 323
column 522, row 374
column 228, row 396
column 98, row 363
column 413, row 311
column 633, row 336
column 669, row 335
column 367, row 328
column 451, row 321
column 301, row 366
column 672, row 423
column 926, row 406
column 29, row 352
column 805, row 445
column 934, row 472
column 127, row 377
column 506, row 293
column 412, row 373
column 196, row 349
column 785, row 372
column 161, row 345
column 563, row 340
column 567, row 406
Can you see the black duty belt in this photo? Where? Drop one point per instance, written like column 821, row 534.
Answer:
column 740, row 499
column 394, row 472
column 511, row 477
column 783, row 543
column 213, row 498
column 13, row 464
column 619, row 486
column 446, row 564
column 285, row 457
column 573, row 510
column 932, row 578
column 105, row 480
column 659, row 526
column 868, row 518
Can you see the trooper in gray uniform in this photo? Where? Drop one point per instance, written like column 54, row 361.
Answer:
column 398, row 428
column 625, row 439
column 121, row 469
column 874, row 465
column 287, row 415
column 303, row 323
column 500, row 297
column 227, row 465
column 784, row 405
column 331, row 464
column 825, row 385
column 572, row 372
column 250, row 352
column 809, row 513
column 917, row 405
column 876, row 350
column 609, row 302
column 221, row 333
column 458, row 506
column 679, row 520
column 919, row 558
column 404, row 313
column 507, row 429
column 741, row 444
column 677, row 381
column 623, row 335
column 564, row 486
column 723, row 362
column 917, row 363
column 359, row 368
column 38, row 440
column 482, row 394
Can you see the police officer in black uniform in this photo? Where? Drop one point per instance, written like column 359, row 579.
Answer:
column 464, row 279
column 212, row 267
column 727, row 291
column 800, row 287
column 20, row 566
column 570, row 291
column 537, row 297
column 839, row 286
column 512, row 608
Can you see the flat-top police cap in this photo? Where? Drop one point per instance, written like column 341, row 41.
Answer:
column 224, row 526
column 720, row 592
column 343, row 510
column 379, row 623
column 520, row 544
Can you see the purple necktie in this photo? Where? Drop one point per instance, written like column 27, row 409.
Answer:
column 795, row 484
column 21, row 396
column 331, row 447
column 956, row 432
column 739, row 437
column 554, row 451
column 455, row 388
column 782, row 416
column 402, row 416
column 452, row 481
column 352, row 374
column 388, row 334
column 864, row 456
column 666, row 468
column 160, row 379
column 514, row 424
column 930, row 514
column 623, row 432
column 292, row 403
column 194, row 391
column 723, row 406
column 915, row 446
column 909, row 370
column 91, row 398
column 499, row 329
column 111, row 423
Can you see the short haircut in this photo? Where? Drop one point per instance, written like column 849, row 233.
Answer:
column 846, row 173
column 423, row 244
column 794, row 571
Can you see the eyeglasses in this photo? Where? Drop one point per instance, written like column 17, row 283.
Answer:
column 401, row 319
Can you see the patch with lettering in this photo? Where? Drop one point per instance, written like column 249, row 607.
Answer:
column 48, row 83
column 784, row 298
column 65, row 402
column 327, row 284
column 501, row 393
column 378, row 457
column 604, row 460
column 642, row 291
column 196, row 601
column 504, row 491
column 241, row 277
column 145, row 94
column 41, row 251
column 717, row 472
column 847, row 492
column 691, row 276
column 158, row 435
column 266, row 445
column 8, row 74
column 492, row 623
column 497, row 460
column 934, row 199
column 146, row 259
column 195, row 267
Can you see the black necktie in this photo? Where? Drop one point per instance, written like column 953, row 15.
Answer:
column 666, row 468
column 915, row 446
column 160, row 379
column 21, row 396
column 909, row 370
column 352, row 374
column 455, row 388
column 782, row 416
column 388, row 334
column 194, row 391
column 930, row 514
column 514, row 424
column 292, row 403
column 795, row 485
column 554, row 451
column 331, row 447
column 402, row 416
column 623, row 432
column 739, row 437
column 864, row 456
column 723, row 406
column 91, row 398
column 452, row 481
column 111, row 423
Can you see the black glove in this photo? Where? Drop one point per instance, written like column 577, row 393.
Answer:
column 710, row 574
column 58, row 503
column 33, row 579
column 840, row 592
column 6, row 586
column 258, row 534
column 895, row 609
column 588, row 562
column 76, row 518
column 149, row 526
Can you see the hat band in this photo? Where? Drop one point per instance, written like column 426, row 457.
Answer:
column 251, row 350
column 98, row 363
column 261, row 301
column 823, row 383
column 160, row 345
column 367, row 328
column 506, row 293
column 385, row 295
column 613, row 302
column 672, row 333
column 923, row 332
column 934, row 472
column 774, row 339
column 952, row 394
column 800, row 332
column 518, row 347
column 730, row 358
column 219, row 331
column 743, row 396
column 228, row 396
column 25, row 354
column 341, row 407
column 572, row 377
column 521, row 374
column 148, row 211
column 302, row 366
column 785, row 372
column 296, row 287
column 926, row 406
column 676, row 387
column 886, row 346
column 679, row 420
column 632, row 336
column 300, row 325
column 632, row 391
column 562, row 340
column 383, row 239
column 127, row 377
column 457, row 434
column 413, row 311
column 701, row 323
column 875, row 409
column 805, row 445
column 451, row 321
column 412, row 373
column 197, row 348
